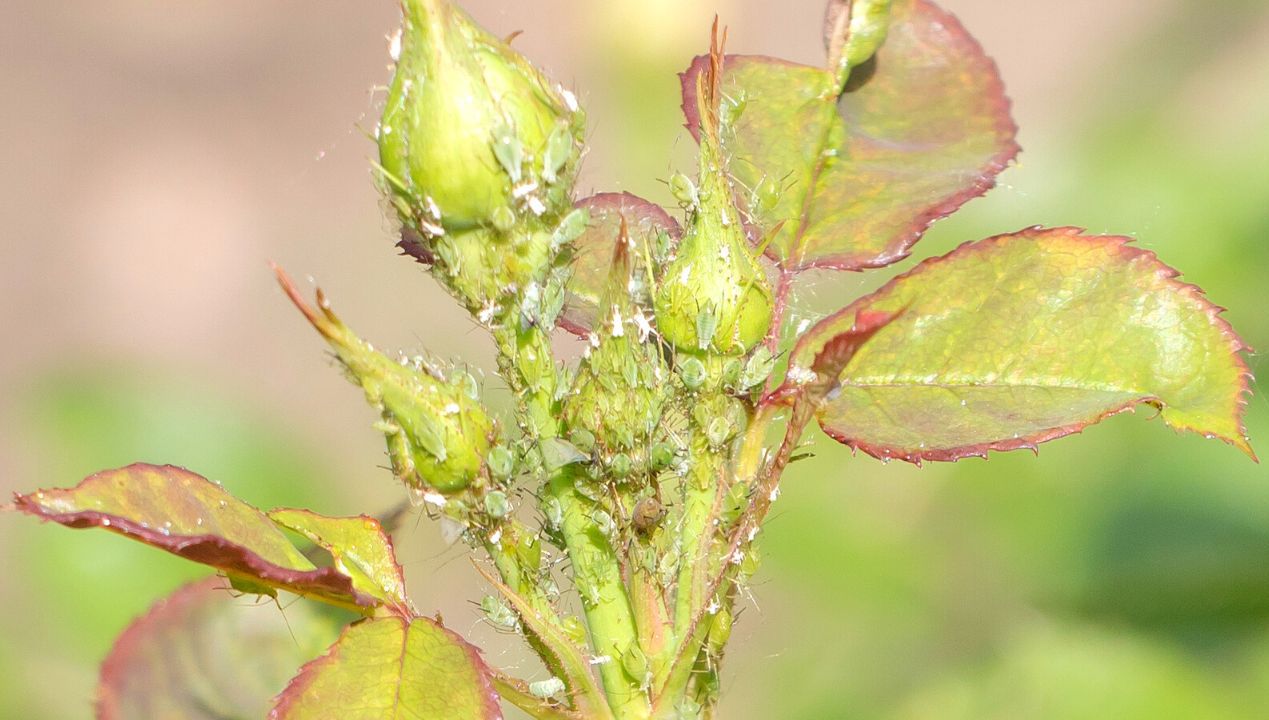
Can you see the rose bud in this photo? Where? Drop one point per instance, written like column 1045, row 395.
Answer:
column 618, row 393
column 437, row 432
column 853, row 32
column 472, row 134
column 714, row 297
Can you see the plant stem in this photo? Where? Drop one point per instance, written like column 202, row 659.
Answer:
column 700, row 495
column 597, row 576
column 517, row 693
column 530, row 371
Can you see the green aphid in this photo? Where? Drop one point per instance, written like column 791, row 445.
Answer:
column 501, row 461
column 546, row 689
column 635, row 663
column 498, row 613
column 497, row 504
column 692, row 372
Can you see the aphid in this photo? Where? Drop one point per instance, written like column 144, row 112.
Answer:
column 547, row 689
column 647, row 515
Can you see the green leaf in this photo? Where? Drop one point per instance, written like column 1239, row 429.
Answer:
column 360, row 548
column 1023, row 338
column 173, row 509
column 392, row 669
column 856, row 180
column 593, row 251
column 204, row 654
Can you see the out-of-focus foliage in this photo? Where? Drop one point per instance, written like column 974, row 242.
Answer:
column 76, row 421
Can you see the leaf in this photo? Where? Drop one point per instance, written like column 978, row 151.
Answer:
column 392, row 669
column 593, row 250
column 202, row 654
column 1023, row 338
column 360, row 548
column 857, row 179
column 173, row 509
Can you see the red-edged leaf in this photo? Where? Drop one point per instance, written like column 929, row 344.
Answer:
column 360, row 548
column 1023, row 338
column 173, row 509
column 392, row 669
column 205, row 654
column 593, row 251
column 857, row 179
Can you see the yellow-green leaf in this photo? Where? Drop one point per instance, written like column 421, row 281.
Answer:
column 173, row 509
column 853, row 181
column 1023, row 338
column 360, row 548
column 392, row 669
column 204, row 653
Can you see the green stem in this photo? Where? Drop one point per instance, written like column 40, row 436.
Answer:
column 700, row 496
column 597, row 576
column 652, row 616
column 529, row 369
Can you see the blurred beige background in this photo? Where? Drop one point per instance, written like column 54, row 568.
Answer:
column 155, row 156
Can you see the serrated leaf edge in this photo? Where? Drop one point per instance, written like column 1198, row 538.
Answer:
column 1131, row 253
column 986, row 176
column 211, row 550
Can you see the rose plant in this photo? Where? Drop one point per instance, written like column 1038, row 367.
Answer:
column 641, row 476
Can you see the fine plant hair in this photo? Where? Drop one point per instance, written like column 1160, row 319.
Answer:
column 634, row 483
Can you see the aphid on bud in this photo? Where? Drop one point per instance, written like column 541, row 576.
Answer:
column 582, row 439
column 731, row 372
column 620, row 466
column 501, row 462
column 603, row 522
column 661, row 456
column 647, row 515
column 497, row 504
column 757, row 369
column 719, row 431
column 684, row 190
column 554, row 513
column 691, row 372
column 570, row 228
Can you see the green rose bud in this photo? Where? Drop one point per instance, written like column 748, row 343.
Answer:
column 714, row 297
column 619, row 389
column 438, row 435
column 853, row 32
column 472, row 134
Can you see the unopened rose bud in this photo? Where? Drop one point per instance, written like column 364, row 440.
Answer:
column 714, row 297
column 853, row 32
column 438, row 434
column 472, row 134
column 619, row 389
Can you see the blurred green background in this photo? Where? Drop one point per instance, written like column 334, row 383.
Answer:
column 158, row 154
